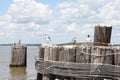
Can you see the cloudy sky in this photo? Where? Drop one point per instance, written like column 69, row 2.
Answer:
column 29, row 20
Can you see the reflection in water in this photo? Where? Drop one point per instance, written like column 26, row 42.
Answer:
column 17, row 73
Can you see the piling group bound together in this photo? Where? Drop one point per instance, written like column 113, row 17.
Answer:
column 90, row 61
column 76, row 61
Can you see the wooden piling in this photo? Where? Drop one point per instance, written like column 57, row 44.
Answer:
column 49, row 54
column 70, row 56
column 66, row 54
column 61, row 54
column 41, row 52
column 102, row 35
column 83, row 56
column 55, row 54
column 102, row 55
column 108, row 56
column 95, row 63
column 18, row 56
column 41, row 57
column 116, row 56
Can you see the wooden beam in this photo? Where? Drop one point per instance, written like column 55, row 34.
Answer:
column 77, row 70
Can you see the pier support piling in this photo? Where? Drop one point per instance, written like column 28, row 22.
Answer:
column 18, row 56
column 102, row 35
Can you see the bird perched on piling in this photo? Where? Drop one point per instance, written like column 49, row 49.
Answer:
column 19, row 42
column 47, row 38
column 74, row 40
column 88, row 38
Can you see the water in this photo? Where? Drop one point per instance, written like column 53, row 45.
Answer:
column 20, row 73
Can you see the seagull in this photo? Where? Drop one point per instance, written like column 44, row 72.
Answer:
column 47, row 38
column 19, row 42
column 74, row 40
column 88, row 38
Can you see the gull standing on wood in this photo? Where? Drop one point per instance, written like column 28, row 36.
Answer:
column 74, row 40
column 47, row 38
column 88, row 38
column 19, row 42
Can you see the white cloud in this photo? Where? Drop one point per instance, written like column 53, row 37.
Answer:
column 65, row 4
column 23, row 11
column 23, row 17
column 108, row 14
column 1, row 33
column 30, row 19
column 71, row 27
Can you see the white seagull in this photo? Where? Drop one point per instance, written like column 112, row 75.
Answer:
column 74, row 40
column 88, row 38
column 47, row 38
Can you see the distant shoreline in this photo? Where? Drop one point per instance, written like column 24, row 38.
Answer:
column 25, row 44
column 39, row 44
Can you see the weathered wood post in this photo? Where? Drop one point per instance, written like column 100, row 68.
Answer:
column 71, row 57
column 41, row 57
column 49, row 54
column 66, row 54
column 83, row 55
column 41, row 52
column 18, row 56
column 102, row 35
column 102, row 55
column 116, row 52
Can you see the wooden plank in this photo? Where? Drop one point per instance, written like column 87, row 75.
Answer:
column 77, row 70
column 95, row 56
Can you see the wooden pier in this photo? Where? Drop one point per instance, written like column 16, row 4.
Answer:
column 80, row 61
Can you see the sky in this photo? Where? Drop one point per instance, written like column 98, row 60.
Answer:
column 30, row 20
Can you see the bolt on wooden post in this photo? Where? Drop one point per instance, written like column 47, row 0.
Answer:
column 102, row 35
column 18, row 56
